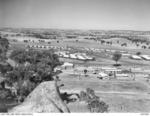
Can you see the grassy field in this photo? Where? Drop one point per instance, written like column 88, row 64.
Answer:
column 121, row 96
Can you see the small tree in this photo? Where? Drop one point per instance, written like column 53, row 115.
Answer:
column 94, row 104
column 85, row 72
column 83, row 96
column 116, row 57
column 90, row 92
column 4, row 44
column 138, row 53
column 97, row 106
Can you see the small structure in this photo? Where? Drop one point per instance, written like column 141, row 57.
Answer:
column 67, row 65
column 145, row 57
column 135, row 57
column 110, row 69
column 81, row 57
column 73, row 56
column 117, row 73
column 126, row 55
column 102, row 75
column 65, row 55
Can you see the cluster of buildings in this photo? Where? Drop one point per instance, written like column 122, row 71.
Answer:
column 104, row 50
column 140, row 57
column 78, row 56
column 44, row 47
column 124, row 53
column 99, row 71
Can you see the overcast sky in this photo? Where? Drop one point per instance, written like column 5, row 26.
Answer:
column 76, row 14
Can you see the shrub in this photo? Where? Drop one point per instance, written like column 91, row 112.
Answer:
column 98, row 106
column 4, row 93
column 138, row 53
column 93, row 101
column 83, row 96
column 4, row 44
column 24, row 78
column 90, row 93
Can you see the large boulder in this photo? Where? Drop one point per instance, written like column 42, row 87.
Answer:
column 44, row 98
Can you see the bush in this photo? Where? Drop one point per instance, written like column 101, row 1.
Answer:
column 98, row 106
column 24, row 78
column 4, row 44
column 93, row 101
column 90, row 92
column 5, row 93
column 138, row 53
column 5, row 67
column 83, row 96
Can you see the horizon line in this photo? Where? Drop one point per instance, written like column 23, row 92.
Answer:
column 74, row 29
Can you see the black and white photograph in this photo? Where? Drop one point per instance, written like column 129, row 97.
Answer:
column 74, row 56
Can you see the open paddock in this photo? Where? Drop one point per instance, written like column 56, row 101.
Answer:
column 121, row 96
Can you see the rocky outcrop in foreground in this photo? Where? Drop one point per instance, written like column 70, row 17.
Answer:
column 44, row 98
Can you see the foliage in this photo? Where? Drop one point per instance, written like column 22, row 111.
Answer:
column 97, row 106
column 5, row 93
column 40, row 68
column 26, row 78
column 90, row 93
column 86, row 96
column 34, row 57
column 85, row 72
column 93, row 101
column 83, row 96
column 138, row 53
column 132, row 37
column 4, row 44
column 117, row 56
column 5, row 67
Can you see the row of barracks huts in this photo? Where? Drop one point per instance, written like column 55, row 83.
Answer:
column 44, row 47
column 140, row 57
column 77, row 56
column 83, row 56
column 104, row 50
column 124, row 53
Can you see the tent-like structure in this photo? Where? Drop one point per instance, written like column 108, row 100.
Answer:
column 145, row 57
column 67, row 64
column 135, row 57
column 102, row 74
column 73, row 56
column 80, row 57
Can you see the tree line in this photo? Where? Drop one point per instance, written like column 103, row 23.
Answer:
column 33, row 67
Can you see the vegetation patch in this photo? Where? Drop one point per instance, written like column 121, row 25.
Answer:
column 93, row 101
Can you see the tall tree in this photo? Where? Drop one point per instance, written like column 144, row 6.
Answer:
column 116, row 57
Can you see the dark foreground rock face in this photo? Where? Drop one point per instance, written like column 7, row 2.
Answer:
column 44, row 98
